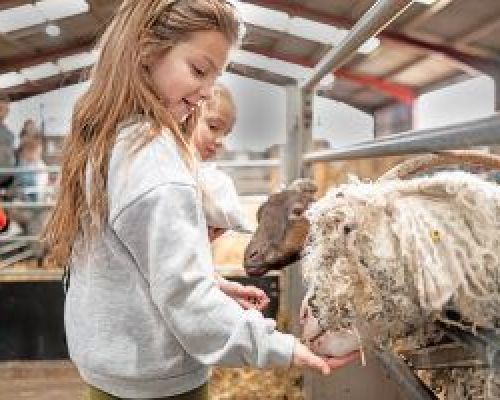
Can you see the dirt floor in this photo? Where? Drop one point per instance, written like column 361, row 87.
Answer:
column 44, row 380
column 59, row 380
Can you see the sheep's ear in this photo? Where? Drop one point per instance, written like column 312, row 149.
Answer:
column 304, row 185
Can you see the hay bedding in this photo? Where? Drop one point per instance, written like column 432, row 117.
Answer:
column 254, row 384
column 385, row 259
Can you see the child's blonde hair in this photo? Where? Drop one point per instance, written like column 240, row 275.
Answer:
column 29, row 144
column 120, row 87
column 221, row 99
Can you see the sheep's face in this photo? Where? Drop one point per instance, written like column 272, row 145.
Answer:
column 321, row 340
column 281, row 232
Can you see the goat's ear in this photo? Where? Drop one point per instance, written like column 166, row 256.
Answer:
column 304, row 185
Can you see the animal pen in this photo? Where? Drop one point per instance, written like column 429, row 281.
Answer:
column 385, row 377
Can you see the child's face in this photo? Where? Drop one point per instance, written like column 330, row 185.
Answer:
column 212, row 127
column 185, row 74
column 31, row 155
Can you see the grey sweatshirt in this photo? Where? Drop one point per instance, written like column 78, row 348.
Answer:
column 144, row 316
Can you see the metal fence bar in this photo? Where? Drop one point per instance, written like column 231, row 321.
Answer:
column 11, row 247
column 22, row 170
column 20, row 238
column 38, row 273
column 480, row 132
column 248, row 163
column 375, row 20
column 27, row 204
column 16, row 258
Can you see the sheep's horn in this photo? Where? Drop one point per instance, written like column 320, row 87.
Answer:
column 438, row 159
column 303, row 185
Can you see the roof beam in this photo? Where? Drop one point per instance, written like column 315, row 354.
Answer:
column 465, row 59
column 15, row 64
column 41, row 86
column 399, row 92
column 375, row 20
column 480, row 31
column 427, row 13
column 5, row 4
column 402, row 93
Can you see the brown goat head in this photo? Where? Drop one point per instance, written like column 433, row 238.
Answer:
column 282, row 229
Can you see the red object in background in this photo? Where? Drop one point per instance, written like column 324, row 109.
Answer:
column 3, row 220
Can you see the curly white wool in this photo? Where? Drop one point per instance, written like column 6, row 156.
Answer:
column 386, row 256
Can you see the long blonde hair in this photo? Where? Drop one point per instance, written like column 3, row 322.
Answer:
column 120, row 87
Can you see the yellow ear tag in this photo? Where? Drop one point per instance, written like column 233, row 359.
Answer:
column 435, row 236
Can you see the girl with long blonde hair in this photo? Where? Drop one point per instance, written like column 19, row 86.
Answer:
column 144, row 316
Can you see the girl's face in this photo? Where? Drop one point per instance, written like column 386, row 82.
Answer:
column 186, row 73
column 212, row 127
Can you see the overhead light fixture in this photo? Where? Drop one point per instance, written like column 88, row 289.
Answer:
column 40, row 71
column 296, row 26
column 20, row 17
column 52, row 30
column 427, row 2
column 57, row 9
column 273, row 65
column 77, row 61
column 11, row 79
column 264, row 17
column 276, row 66
column 369, row 46
column 15, row 18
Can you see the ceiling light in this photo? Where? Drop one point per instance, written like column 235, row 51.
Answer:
column 264, row 17
column 40, row 71
column 11, row 79
column 301, row 27
column 27, row 15
column 428, row 2
column 77, row 61
column 312, row 30
column 278, row 67
column 273, row 65
column 57, row 9
column 369, row 46
column 52, row 30
column 20, row 17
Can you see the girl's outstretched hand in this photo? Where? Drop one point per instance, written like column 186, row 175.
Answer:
column 305, row 358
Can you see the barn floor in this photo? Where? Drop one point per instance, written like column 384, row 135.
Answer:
column 59, row 380
column 42, row 380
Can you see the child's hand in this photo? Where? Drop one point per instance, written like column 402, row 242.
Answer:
column 305, row 358
column 246, row 296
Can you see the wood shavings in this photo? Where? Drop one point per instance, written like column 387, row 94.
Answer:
column 254, row 384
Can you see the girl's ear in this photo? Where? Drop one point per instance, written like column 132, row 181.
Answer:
column 147, row 61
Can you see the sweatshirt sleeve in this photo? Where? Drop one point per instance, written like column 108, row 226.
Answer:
column 162, row 232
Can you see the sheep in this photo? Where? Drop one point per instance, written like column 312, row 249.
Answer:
column 390, row 261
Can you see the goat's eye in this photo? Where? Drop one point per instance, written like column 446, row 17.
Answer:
column 297, row 211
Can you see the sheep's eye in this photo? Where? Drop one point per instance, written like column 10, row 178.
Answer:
column 348, row 228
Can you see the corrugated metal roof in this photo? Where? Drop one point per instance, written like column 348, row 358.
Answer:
column 423, row 47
